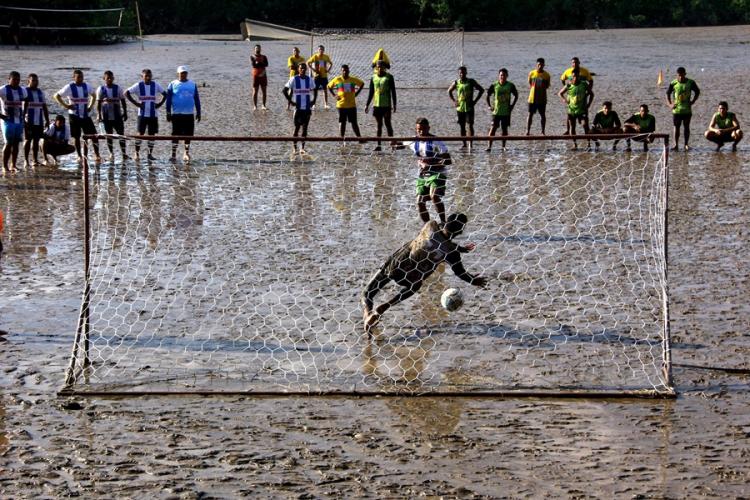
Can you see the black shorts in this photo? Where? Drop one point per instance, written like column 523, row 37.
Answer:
column 260, row 81
column 302, row 117
column 347, row 115
column 465, row 117
column 150, row 124
column 381, row 112
column 78, row 124
column 183, row 124
column 321, row 82
column 500, row 121
column 579, row 118
column 540, row 107
column 34, row 131
column 114, row 126
column 678, row 120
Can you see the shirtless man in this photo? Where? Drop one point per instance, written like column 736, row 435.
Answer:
column 415, row 261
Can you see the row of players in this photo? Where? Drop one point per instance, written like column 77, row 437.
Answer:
column 24, row 112
column 576, row 93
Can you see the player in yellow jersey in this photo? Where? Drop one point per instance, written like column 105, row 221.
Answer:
column 539, row 82
column 321, row 64
column 293, row 63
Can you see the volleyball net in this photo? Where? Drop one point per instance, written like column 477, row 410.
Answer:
column 246, row 276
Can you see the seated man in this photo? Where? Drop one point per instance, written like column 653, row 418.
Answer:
column 606, row 121
column 56, row 139
column 641, row 123
column 414, row 262
column 724, row 127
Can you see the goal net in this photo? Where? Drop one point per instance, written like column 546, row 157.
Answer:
column 60, row 25
column 222, row 276
column 415, row 56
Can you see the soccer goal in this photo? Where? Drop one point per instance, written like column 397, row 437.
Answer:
column 247, row 276
column 59, row 24
column 415, row 56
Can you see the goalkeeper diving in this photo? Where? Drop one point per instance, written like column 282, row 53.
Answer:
column 415, row 261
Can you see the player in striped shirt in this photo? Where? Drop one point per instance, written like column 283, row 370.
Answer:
column 37, row 118
column 433, row 157
column 112, row 111
column 147, row 91
column 12, row 97
column 301, row 92
column 80, row 101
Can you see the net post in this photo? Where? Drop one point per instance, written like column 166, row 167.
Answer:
column 82, row 329
column 138, row 17
column 461, row 55
column 667, row 341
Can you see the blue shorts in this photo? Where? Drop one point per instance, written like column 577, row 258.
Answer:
column 12, row 132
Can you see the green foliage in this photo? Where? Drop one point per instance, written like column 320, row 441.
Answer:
column 204, row 16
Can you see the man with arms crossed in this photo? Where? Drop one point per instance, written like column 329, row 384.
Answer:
column 260, row 76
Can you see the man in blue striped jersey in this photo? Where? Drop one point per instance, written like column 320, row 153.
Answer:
column 79, row 99
column 12, row 97
column 301, row 92
column 37, row 118
column 147, row 92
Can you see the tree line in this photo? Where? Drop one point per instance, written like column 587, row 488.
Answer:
column 210, row 16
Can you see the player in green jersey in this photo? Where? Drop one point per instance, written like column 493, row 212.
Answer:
column 606, row 121
column 577, row 95
column 502, row 89
column 641, row 123
column 724, row 127
column 382, row 96
column 681, row 95
column 464, row 100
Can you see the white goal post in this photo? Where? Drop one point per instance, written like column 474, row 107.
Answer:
column 222, row 277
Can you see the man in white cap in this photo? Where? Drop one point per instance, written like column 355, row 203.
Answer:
column 183, row 109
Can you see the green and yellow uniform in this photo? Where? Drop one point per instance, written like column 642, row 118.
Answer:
column 345, row 89
column 465, row 95
column 292, row 64
column 503, row 93
column 645, row 123
column 606, row 121
column 724, row 122
column 539, row 82
column 577, row 98
column 583, row 74
column 383, row 88
column 681, row 92
column 318, row 63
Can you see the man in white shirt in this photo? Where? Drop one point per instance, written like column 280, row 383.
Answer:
column 12, row 97
column 79, row 99
column 147, row 92
column 302, row 93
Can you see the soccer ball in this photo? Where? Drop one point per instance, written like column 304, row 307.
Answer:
column 452, row 299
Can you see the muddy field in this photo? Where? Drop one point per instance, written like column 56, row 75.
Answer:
column 696, row 445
